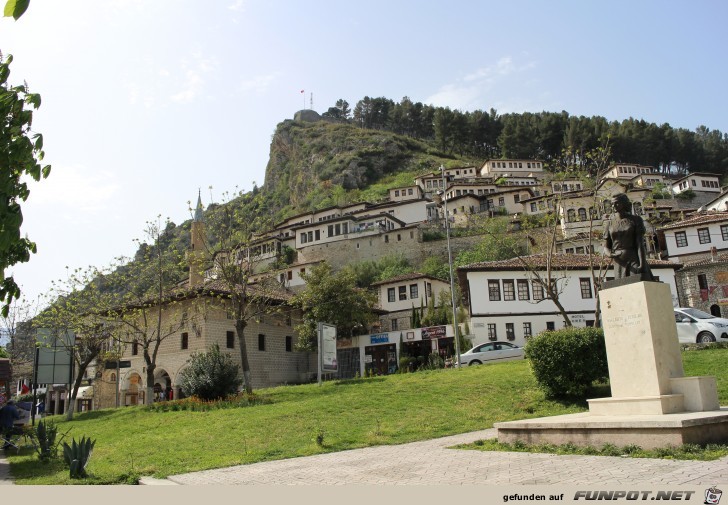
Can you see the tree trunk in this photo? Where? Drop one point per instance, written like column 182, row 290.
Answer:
column 247, row 379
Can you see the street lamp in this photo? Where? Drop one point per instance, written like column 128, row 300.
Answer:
column 440, row 200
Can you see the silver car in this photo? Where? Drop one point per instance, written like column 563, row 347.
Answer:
column 491, row 352
column 694, row 325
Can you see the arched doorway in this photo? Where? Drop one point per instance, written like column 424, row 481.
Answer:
column 162, row 385
column 134, row 394
column 715, row 310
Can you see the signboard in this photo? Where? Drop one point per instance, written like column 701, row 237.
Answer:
column 433, row 332
column 112, row 365
column 381, row 338
column 54, row 357
column 327, row 347
column 722, row 302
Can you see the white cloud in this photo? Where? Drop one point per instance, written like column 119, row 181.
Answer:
column 80, row 189
column 259, row 83
column 195, row 73
column 470, row 91
column 238, row 6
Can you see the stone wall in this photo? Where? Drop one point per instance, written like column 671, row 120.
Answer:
column 406, row 242
column 689, row 292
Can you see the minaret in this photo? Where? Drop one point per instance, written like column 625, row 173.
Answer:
column 196, row 253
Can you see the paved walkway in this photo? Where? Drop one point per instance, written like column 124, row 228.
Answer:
column 431, row 463
column 5, row 478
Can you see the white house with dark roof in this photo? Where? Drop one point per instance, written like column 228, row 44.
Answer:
column 699, row 236
column 699, row 182
column 719, row 203
column 627, row 170
column 512, row 167
column 506, row 301
column 405, row 193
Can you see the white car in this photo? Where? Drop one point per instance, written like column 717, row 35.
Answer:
column 491, row 352
column 694, row 325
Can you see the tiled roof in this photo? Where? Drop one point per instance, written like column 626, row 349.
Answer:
column 720, row 259
column 698, row 219
column 559, row 261
column 406, row 277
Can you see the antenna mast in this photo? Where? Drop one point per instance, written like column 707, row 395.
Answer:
column 310, row 103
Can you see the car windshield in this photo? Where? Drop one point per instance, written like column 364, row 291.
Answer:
column 698, row 314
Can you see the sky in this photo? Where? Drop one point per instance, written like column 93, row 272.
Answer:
column 145, row 103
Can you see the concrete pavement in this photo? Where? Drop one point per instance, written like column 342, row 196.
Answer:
column 430, row 462
column 5, row 478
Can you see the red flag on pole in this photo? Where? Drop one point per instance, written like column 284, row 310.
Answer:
column 24, row 389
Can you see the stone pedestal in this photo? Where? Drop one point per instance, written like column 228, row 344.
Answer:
column 652, row 403
column 645, row 367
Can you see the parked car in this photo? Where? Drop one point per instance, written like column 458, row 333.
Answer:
column 694, row 325
column 491, row 352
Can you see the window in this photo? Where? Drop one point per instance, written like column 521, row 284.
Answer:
column 386, row 239
column 289, row 274
column 501, row 201
column 703, row 281
column 331, row 230
column 550, row 326
column 402, row 293
column 492, row 334
column 527, row 330
column 428, row 289
column 395, row 325
column 703, row 235
column 318, row 234
column 523, row 293
column 494, row 291
column 185, row 341
column 724, row 232
column 230, row 339
column 570, row 215
column 533, row 207
column 585, row 286
column 510, row 331
column 134, row 348
column 509, row 290
column 582, row 214
column 390, row 295
column 414, row 292
column 289, row 343
column 516, row 198
column 681, row 239
column 261, row 342
column 537, row 290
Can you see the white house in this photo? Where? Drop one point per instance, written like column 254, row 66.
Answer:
column 699, row 181
column 507, row 302
column 512, row 167
column 696, row 237
column 627, row 170
column 399, row 294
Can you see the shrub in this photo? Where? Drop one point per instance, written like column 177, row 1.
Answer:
column 76, row 456
column 211, row 375
column 566, row 362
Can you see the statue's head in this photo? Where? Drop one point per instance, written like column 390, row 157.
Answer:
column 620, row 202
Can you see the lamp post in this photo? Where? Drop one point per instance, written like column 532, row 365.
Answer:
column 443, row 202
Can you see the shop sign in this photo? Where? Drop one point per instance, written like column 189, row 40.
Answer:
column 368, row 358
column 722, row 302
column 433, row 332
column 381, row 338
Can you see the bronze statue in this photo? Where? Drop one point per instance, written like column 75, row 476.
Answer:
column 624, row 241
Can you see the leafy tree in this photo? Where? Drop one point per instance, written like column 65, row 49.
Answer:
column 144, row 313
column 20, row 153
column 4, row 353
column 211, row 375
column 332, row 298
column 245, row 286
column 80, row 305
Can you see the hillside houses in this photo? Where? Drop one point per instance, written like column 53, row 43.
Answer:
column 501, row 298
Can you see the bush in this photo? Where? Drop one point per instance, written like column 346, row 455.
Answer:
column 211, row 375
column 566, row 362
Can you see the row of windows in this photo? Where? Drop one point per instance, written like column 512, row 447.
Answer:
column 515, row 164
column 413, row 292
column 409, row 192
column 510, row 331
column 634, row 170
column 436, row 183
column 567, row 187
column 681, row 237
column 229, row 342
column 710, row 184
column 521, row 287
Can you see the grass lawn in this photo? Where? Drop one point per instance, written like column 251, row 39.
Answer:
column 135, row 441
